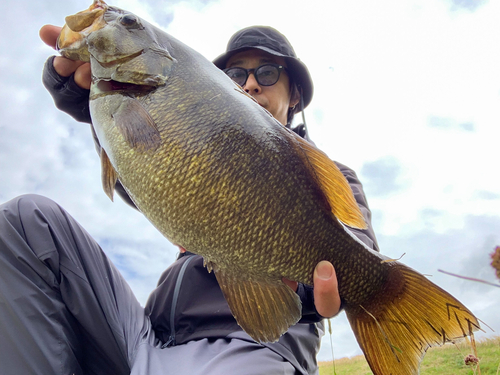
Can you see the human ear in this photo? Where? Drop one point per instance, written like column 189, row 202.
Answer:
column 294, row 96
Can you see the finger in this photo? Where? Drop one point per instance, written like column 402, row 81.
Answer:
column 292, row 284
column 326, row 293
column 63, row 66
column 66, row 67
column 49, row 34
column 83, row 77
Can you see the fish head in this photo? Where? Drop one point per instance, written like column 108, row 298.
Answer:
column 120, row 46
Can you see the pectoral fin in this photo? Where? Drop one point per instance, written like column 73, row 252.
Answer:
column 333, row 184
column 265, row 310
column 136, row 125
column 108, row 175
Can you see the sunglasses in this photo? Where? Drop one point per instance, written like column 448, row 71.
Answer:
column 265, row 75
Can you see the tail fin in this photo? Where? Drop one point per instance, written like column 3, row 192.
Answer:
column 395, row 336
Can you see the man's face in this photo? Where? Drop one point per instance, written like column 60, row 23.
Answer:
column 276, row 98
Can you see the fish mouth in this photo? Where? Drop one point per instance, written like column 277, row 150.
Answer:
column 71, row 41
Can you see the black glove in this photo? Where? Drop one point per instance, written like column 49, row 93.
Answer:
column 67, row 95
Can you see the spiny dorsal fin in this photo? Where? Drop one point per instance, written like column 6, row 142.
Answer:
column 108, row 175
column 264, row 309
column 334, row 185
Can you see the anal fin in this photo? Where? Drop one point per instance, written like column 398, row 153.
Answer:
column 264, row 309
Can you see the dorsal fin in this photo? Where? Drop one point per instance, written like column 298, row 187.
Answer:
column 334, row 185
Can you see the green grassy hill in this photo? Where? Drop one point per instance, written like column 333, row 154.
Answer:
column 445, row 360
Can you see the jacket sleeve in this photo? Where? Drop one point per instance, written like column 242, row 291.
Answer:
column 74, row 100
column 309, row 313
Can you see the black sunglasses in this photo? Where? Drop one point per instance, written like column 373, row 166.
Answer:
column 265, row 75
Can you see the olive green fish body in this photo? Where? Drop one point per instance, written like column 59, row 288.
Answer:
column 219, row 176
column 237, row 194
column 215, row 168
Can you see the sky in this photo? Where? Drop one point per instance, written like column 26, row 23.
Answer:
column 407, row 93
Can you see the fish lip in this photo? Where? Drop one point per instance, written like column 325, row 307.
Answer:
column 71, row 40
column 119, row 60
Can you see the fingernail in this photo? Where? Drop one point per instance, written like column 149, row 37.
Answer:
column 324, row 270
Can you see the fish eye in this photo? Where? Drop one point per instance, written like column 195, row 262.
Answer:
column 128, row 20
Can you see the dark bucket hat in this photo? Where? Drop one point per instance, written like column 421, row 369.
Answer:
column 271, row 41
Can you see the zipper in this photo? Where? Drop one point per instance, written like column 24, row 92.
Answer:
column 175, row 298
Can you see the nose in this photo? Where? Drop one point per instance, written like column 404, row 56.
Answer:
column 251, row 85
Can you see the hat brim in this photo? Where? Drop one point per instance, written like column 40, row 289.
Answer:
column 297, row 69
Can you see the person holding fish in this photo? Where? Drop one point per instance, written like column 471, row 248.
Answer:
column 206, row 152
column 64, row 307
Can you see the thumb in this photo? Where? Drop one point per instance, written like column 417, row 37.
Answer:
column 326, row 293
column 49, row 34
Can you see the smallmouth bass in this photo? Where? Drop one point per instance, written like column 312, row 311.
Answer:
column 216, row 174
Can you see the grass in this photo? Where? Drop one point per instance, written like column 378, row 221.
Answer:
column 444, row 360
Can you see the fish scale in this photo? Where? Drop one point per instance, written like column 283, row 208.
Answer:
column 217, row 175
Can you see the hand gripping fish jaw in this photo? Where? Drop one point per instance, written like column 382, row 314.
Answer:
column 112, row 40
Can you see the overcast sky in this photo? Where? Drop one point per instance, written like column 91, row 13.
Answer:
column 407, row 93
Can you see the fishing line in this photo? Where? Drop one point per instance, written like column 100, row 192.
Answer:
column 302, row 108
column 331, row 345
column 470, row 278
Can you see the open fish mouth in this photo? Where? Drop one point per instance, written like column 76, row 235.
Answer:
column 91, row 36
